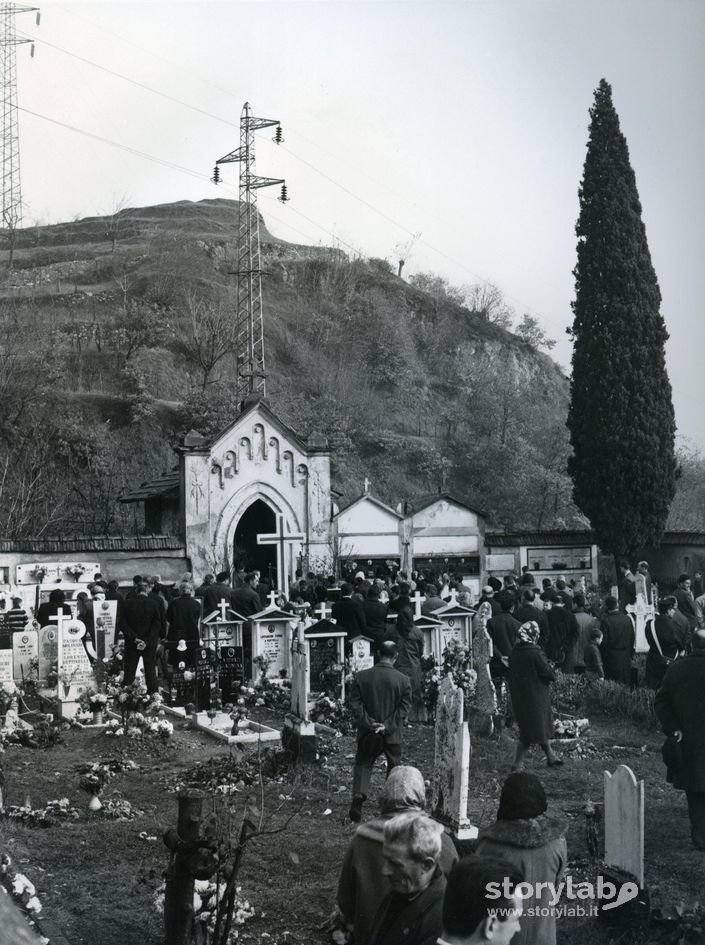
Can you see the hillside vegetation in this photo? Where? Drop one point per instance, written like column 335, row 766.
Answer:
column 117, row 338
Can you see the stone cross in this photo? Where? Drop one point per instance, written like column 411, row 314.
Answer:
column 624, row 822
column 642, row 612
column 273, row 598
column 60, row 617
column 281, row 538
column 451, row 767
column 367, row 485
column 223, row 609
column 417, row 600
column 300, row 681
column 323, row 610
column 453, row 594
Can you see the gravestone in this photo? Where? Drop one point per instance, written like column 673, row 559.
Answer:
column 326, row 652
column 7, row 679
column 105, row 626
column 271, row 634
column 222, row 632
column 299, row 733
column 642, row 613
column 48, row 653
column 452, row 762
column 456, row 623
column 205, row 678
column 624, row 822
column 24, row 651
column 182, row 686
column 431, row 628
column 361, row 657
column 75, row 672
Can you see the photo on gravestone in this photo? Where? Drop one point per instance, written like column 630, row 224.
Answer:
column 24, row 654
column 105, row 621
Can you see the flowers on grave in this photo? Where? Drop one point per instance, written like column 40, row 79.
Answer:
column 570, row 728
column 209, row 898
column 7, row 696
column 456, row 660
column 53, row 812
column 93, row 701
column 333, row 713
column 22, row 891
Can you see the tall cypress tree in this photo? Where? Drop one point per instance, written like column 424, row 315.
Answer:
column 621, row 419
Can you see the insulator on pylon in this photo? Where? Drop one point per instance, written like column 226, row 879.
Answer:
column 216, row 175
column 284, row 196
column 39, row 16
column 278, row 135
column 31, row 51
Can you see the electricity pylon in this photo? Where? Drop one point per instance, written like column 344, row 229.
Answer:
column 11, row 187
column 249, row 329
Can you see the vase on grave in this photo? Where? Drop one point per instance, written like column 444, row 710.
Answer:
column 94, row 803
column 97, row 716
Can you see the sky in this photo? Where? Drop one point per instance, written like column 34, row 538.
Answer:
column 452, row 134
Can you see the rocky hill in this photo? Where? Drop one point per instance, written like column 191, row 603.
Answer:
column 108, row 355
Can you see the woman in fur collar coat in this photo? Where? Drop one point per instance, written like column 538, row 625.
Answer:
column 531, row 838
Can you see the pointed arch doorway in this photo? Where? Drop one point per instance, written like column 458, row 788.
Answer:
column 258, row 519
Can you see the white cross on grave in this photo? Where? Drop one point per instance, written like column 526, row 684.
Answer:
column 281, row 538
column 322, row 610
column 273, row 598
column 453, row 594
column 60, row 617
column 223, row 609
column 417, row 600
column 642, row 612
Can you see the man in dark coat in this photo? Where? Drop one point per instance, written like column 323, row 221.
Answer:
column 380, row 699
column 245, row 600
column 375, row 615
column 488, row 595
column 686, row 601
column 411, row 913
column 142, row 622
column 349, row 613
column 528, row 610
column 402, row 600
column 680, row 707
column 530, row 678
column 53, row 606
column 666, row 639
column 213, row 592
column 182, row 617
column 627, row 586
column 563, row 633
column 504, row 631
column 618, row 640
column 433, row 601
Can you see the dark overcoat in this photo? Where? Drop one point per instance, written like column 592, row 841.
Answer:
column 530, row 678
column 381, row 694
column 617, row 647
column 417, row 921
column 680, row 704
column 672, row 641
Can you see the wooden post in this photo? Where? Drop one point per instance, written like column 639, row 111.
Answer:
column 178, row 897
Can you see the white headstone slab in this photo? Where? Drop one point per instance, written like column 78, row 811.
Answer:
column 75, row 673
column 105, row 625
column 300, row 685
column 7, row 680
column 451, row 760
column 642, row 612
column 272, row 642
column 48, row 651
column 24, row 650
column 624, row 822
column 361, row 657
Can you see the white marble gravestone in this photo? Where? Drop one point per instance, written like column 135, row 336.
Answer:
column 299, row 734
column 451, row 767
column 361, row 657
column 24, row 650
column 624, row 822
column 105, row 626
column 300, row 682
column 75, row 672
column 48, row 652
column 271, row 638
column 7, row 679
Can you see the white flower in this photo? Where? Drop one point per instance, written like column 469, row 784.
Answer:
column 34, row 905
column 22, row 885
column 197, row 902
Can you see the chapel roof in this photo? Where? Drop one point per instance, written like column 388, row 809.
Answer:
column 370, row 498
column 418, row 503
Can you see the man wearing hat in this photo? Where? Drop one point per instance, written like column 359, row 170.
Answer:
column 488, row 595
column 380, row 698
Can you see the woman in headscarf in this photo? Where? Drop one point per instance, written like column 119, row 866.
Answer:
column 532, row 839
column 485, row 693
column 530, row 678
column 410, row 645
column 362, row 885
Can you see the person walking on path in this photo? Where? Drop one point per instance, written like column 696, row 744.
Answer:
column 530, row 678
column 379, row 699
column 680, row 708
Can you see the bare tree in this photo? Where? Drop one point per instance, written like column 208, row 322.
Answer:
column 208, row 336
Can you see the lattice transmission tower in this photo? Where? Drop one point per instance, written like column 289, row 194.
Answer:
column 249, row 327
column 11, row 187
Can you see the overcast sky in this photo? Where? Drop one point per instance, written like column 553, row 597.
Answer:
column 463, row 122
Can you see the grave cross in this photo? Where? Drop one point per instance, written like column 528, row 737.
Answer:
column 453, row 594
column 60, row 617
column 223, row 609
column 417, row 600
column 281, row 538
column 322, row 610
column 273, row 598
